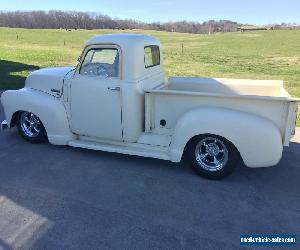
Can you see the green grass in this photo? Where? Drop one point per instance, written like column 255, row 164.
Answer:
column 255, row 55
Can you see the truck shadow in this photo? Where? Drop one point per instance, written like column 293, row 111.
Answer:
column 13, row 74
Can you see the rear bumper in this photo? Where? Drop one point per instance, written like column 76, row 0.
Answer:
column 4, row 125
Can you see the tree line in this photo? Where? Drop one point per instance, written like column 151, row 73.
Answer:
column 83, row 20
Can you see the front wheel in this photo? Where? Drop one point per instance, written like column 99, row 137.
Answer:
column 212, row 156
column 31, row 128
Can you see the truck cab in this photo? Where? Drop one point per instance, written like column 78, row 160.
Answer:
column 117, row 100
column 107, row 89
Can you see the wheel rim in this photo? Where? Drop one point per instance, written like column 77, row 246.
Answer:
column 211, row 154
column 30, row 124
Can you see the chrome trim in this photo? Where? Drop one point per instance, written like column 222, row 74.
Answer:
column 4, row 125
column 114, row 88
column 55, row 91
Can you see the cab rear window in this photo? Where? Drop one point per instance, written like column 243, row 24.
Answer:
column 152, row 56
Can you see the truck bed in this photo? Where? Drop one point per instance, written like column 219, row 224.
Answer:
column 227, row 87
column 265, row 98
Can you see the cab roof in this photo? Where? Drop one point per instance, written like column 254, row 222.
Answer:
column 124, row 40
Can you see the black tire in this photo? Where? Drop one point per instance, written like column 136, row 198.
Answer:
column 26, row 128
column 220, row 160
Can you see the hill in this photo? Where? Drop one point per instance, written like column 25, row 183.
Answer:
column 254, row 55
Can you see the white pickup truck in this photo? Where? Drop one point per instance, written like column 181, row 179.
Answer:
column 117, row 100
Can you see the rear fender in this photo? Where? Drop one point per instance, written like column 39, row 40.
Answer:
column 257, row 139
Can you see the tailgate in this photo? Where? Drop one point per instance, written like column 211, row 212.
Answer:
column 291, row 122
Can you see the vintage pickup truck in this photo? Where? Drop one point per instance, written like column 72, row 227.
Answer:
column 117, row 100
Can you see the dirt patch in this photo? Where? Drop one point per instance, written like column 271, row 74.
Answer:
column 288, row 60
column 188, row 45
column 250, row 35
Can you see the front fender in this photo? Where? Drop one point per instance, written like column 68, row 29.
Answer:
column 257, row 139
column 49, row 109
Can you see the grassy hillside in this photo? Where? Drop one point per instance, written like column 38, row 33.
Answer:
column 258, row 55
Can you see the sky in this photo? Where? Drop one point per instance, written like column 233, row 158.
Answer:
column 252, row 12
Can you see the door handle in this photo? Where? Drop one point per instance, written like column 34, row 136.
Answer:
column 114, row 88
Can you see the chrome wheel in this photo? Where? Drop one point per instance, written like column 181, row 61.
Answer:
column 211, row 154
column 30, row 124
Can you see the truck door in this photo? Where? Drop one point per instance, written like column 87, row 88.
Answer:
column 96, row 94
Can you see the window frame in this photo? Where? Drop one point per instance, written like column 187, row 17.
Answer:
column 99, row 47
column 159, row 61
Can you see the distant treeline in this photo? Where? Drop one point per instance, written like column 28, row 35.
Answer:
column 86, row 20
column 83, row 20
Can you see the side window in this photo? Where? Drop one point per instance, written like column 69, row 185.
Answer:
column 152, row 56
column 103, row 63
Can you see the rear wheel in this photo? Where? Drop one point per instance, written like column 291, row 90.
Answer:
column 212, row 156
column 31, row 128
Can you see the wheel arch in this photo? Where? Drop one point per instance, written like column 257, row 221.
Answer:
column 242, row 129
column 14, row 118
column 49, row 109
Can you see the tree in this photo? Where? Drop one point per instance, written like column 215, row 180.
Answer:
column 55, row 19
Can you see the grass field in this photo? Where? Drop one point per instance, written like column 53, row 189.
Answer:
column 255, row 55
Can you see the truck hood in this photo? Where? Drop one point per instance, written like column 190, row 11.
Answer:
column 48, row 80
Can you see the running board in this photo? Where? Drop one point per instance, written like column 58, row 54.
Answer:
column 132, row 149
